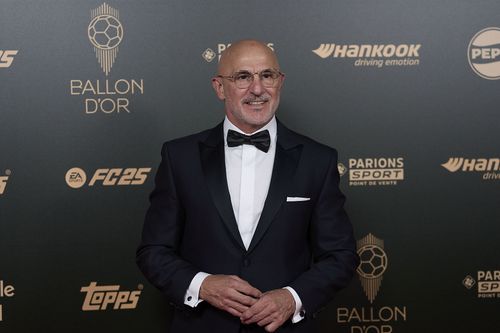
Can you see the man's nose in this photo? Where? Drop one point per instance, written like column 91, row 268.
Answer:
column 256, row 87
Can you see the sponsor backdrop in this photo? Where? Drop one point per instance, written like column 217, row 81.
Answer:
column 407, row 91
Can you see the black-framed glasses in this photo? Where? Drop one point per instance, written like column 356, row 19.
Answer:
column 244, row 79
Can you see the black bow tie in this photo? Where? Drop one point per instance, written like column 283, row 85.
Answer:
column 261, row 140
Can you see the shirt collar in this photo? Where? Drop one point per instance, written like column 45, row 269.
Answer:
column 271, row 126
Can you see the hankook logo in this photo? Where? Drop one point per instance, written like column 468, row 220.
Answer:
column 209, row 54
column 484, row 53
column 490, row 167
column 7, row 57
column 105, row 32
column 100, row 297
column 372, row 55
column 76, row 177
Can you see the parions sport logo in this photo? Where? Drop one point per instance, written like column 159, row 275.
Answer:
column 77, row 177
column 484, row 53
column 489, row 168
column 372, row 55
column 373, row 318
column 377, row 171
column 210, row 55
column 100, row 298
column 105, row 33
column 487, row 283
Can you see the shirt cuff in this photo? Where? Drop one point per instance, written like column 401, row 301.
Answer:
column 299, row 313
column 192, row 297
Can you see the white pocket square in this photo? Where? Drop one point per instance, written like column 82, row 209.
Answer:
column 296, row 199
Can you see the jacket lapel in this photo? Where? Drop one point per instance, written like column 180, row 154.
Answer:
column 288, row 151
column 214, row 167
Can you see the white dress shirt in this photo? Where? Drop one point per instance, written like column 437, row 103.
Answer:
column 248, row 173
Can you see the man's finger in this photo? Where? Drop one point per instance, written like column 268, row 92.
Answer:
column 258, row 309
column 272, row 326
column 262, row 318
column 242, row 298
column 239, row 308
column 247, row 289
column 243, row 287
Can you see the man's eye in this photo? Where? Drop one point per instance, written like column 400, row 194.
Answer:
column 242, row 77
column 267, row 75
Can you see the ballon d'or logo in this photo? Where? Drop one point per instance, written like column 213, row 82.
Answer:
column 372, row 266
column 105, row 32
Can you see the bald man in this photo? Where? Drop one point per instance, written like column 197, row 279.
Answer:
column 246, row 231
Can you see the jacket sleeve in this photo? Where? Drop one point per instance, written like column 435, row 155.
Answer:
column 334, row 249
column 157, row 255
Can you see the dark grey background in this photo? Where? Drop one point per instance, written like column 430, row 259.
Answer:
column 437, row 226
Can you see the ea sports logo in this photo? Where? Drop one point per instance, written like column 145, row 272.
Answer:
column 75, row 177
column 105, row 32
column 484, row 53
column 373, row 261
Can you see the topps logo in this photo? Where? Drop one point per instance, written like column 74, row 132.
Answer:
column 7, row 57
column 100, row 297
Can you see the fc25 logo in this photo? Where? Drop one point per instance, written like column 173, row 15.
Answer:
column 7, row 57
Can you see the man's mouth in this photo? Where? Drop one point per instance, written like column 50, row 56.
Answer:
column 256, row 101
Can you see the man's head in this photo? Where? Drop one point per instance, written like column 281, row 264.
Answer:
column 250, row 103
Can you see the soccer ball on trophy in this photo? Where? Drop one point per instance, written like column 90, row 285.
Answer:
column 105, row 32
column 373, row 261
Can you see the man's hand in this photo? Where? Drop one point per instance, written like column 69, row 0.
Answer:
column 229, row 293
column 271, row 310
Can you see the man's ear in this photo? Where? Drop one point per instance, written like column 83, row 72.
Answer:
column 219, row 88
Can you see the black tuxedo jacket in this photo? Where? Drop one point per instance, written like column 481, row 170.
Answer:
column 190, row 227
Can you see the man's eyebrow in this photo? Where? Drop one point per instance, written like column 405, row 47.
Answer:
column 246, row 70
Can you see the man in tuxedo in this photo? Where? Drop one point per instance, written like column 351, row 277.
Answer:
column 246, row 231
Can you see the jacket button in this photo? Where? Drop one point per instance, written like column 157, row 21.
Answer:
column 246, row 262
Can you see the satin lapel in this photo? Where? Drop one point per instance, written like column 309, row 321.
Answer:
column 285, row 163
column 214, row 167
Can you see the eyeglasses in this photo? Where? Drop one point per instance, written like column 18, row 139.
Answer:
column 244, row 79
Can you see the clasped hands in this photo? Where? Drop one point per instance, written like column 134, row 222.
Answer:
column 236, row 296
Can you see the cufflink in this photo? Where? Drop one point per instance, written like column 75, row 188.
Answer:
column 302, row 313
column 189, row 298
